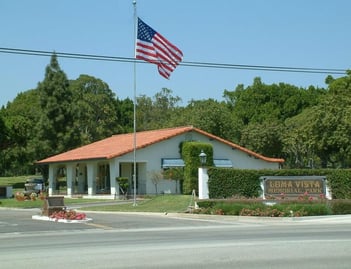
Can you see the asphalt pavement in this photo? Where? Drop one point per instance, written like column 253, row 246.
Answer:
column 161, row 240
column 21, row 220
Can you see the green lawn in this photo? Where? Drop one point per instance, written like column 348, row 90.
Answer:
column 13, row 203
column 17, row 183
column 160, row 203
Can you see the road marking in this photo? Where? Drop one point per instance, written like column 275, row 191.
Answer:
column 101, row 226
column 2, row 223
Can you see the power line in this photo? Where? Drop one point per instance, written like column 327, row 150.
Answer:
column 190, row 64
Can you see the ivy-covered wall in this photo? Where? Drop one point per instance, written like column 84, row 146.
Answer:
column 190, row 152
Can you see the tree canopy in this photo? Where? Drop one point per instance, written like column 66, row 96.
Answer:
column 308, row 127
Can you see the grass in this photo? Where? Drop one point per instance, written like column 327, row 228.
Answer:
column 17, row 182
column 13, row 203
column 160, row 203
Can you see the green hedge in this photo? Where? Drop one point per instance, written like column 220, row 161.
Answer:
column 227, row 183
column 340, row 206
column 254, row 207
column 190, row 154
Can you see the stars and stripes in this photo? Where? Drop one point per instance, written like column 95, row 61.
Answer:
column 154, row 48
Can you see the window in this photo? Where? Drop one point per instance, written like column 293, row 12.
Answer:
column 171, row 162
column 222, row 163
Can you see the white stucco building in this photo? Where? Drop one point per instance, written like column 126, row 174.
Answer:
column 92, row 169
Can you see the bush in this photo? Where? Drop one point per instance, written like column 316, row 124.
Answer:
column 254, row 207
column 227, row 183
column 227, row 207
column 303, row 208
column 123, row 183
column 262, row 212
column 340, row 207
column 206, row 203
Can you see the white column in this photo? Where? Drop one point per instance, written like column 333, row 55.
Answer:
column 51, row 179
column 328, row 194
column 203, row 183
column 92, row 173
column 71, row 172
column 114, row 172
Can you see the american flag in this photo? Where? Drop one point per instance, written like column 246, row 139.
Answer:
column 154, row 48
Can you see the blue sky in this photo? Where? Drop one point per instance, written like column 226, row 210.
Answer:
column 296, row 33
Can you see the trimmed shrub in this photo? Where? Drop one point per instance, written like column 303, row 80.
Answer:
column 227, row 183
column 340, row 207
column 298, row 209
column 259, row 208
column 262, row 212
column 190, row 154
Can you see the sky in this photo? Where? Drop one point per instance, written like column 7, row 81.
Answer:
column 295, row 33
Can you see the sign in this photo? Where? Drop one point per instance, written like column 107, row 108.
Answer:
column 293, row 186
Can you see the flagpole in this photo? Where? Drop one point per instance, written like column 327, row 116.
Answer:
column 134, row 108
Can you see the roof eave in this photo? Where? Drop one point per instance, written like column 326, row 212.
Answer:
column 235, row 146
column 71, row 160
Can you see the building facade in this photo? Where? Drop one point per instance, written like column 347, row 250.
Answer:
column 91, row 170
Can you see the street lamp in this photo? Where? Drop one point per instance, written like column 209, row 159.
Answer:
column 203, row 177
column 202, row 156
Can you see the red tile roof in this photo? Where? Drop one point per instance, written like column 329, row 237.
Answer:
column 121, row 144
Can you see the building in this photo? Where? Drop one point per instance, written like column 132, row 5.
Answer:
column 92, row 169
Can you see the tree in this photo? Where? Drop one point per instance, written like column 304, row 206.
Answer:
column 156, row 178
column 5, row 143
column 20, row 117
column 209, row 115
column 265, row 138
column 125, row 114
column 331, row 127
column 175, row 173
column 321, row 135
column 4, row 134
column 260, row 102
column 55, row 128
column 154, row 113
column 95, row 109
column 298, row 145
column 144, row 113
column 260, row 111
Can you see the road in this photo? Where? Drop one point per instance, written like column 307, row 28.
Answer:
column 174, row 241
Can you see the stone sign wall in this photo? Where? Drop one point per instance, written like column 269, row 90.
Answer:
column 294, row 186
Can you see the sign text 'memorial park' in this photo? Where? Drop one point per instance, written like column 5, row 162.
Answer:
column 293, row 186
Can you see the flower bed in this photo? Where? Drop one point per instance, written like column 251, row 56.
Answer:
column 68, row 215
column 303, row 205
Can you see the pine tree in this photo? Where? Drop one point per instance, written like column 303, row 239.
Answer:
column 55, row 127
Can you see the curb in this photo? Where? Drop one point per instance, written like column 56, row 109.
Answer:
column 45, row 218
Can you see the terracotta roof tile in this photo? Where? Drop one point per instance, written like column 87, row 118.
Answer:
column 121, row 144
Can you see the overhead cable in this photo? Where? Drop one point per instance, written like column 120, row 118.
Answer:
column 190, row 64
